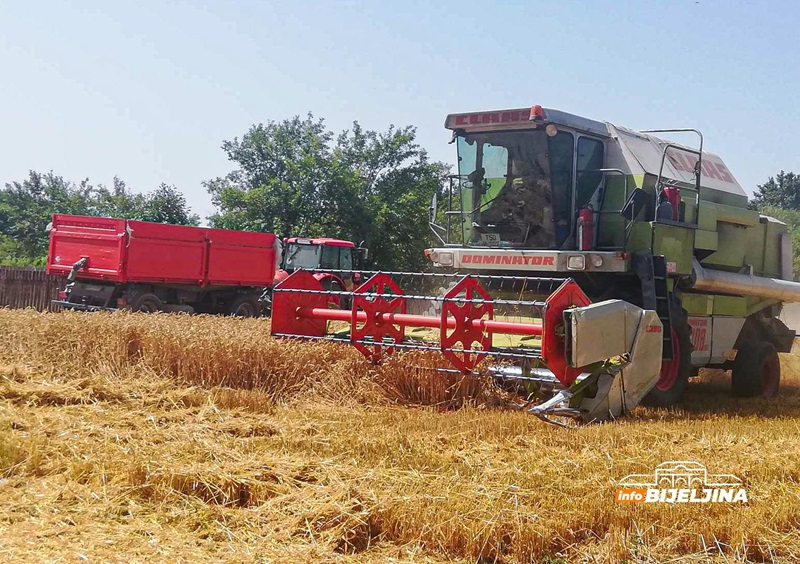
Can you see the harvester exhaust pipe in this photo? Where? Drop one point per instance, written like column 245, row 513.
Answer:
column 600, row 359
column 718, row 281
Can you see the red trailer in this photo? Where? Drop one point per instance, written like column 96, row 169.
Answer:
column 117, row 263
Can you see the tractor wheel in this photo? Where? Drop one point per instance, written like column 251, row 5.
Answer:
column 675, row 373
column 756, row 371
column 145, row 303
column 244, row 306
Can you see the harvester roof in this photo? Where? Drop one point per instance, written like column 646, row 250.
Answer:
column 633, row 152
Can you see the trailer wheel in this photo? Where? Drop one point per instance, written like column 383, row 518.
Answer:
column 145, row 303
column 244, row 306
column 756, row 371
column 674, row 377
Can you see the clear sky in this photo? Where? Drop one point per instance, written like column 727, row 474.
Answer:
column 148, row 90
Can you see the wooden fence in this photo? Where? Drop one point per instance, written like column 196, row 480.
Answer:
column 28, row 287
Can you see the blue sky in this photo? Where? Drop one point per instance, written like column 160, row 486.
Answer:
column 148, row 90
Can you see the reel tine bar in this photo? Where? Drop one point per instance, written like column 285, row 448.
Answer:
column 378, row 319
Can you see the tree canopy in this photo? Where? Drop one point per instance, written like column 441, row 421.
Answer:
column 27, row 206
column 781, row 191
column 296, row 178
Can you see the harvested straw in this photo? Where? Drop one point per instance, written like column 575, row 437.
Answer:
column 195, row 438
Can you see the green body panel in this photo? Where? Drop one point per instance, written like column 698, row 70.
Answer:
column 706, row 240
column 732, row 250
column 736, row 216
column 770, row 252
column 755, row 305
column 730, row 305
column 741, row 247
column 716, row 304
column 641, row 236
column 698, row 304
column 707, row 219
column 675, row 242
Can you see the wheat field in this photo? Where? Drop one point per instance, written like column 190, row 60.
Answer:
column 184, row 439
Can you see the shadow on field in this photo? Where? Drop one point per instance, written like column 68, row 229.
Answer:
column 709, row 395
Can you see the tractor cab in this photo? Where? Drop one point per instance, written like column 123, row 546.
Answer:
column 336, row 261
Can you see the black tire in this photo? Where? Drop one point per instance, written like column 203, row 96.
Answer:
column 756, row 371
column 144, row 303
column 244, row 306
column 671, row 385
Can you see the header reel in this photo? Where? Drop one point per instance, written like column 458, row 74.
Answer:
column 544, row 343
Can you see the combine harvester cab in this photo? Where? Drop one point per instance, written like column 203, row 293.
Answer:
column 643, row 232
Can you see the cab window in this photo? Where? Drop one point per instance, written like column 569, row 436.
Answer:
column 346, row 259
column 589, row 158
column 329, row 258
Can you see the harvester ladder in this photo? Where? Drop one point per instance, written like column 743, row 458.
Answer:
column 662, row 302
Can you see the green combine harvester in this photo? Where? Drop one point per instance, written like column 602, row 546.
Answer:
column 593, row 266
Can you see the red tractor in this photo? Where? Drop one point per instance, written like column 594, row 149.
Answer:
column 335, row 263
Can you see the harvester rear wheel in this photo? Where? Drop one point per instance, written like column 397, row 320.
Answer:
column 672, row 382
column 756, row 371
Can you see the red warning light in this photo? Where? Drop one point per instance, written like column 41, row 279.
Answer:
column 536, row 113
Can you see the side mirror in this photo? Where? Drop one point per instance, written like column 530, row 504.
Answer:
column 360, row 256
column 637, row 202
column 433, row 209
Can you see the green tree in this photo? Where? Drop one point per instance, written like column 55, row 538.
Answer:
column 165, row 204
column 295, row 178
column 282, row 167
column 118, row 201
column 781, row 191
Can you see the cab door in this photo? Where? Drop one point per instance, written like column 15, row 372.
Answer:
column 589, row 158
column 334, row 257
column 346, row 264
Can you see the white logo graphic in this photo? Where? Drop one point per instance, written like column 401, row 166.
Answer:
column 681, row 482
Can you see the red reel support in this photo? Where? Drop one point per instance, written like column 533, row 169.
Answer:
column 286, row 306
column 373, row 323
column 466, row 332
column 568, row 295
